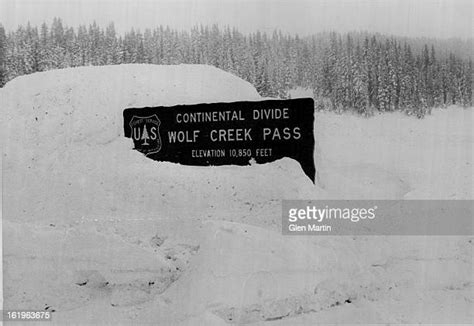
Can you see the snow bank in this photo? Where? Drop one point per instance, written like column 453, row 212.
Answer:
column 392, row 155
column 74, row 189
column 101, row 234
column 246, row 274
column 66, row 157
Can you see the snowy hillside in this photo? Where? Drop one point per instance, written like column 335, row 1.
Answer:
column 100, row 234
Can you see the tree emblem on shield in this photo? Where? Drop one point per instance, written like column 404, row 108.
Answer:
column 146, row 134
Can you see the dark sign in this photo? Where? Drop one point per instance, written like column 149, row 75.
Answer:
column 225, row 133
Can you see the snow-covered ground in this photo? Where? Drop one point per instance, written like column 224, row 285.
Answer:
column 100, row 234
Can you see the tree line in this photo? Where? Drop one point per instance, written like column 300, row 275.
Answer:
column 357, row 71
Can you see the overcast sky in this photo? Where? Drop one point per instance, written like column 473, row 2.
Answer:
column 432, row 18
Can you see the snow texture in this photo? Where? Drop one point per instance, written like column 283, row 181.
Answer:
column 97, row 233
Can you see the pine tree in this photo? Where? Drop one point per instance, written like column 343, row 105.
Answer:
column 112, row 53
column 383, row 92
column 140, row 48
column 466, row 84
column 145, row 136
column 3, row 56
column 44, row 49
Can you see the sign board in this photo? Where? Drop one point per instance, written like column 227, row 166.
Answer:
column 225, row 133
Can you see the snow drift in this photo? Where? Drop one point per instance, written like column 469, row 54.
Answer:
column 100, row 234
column 64, row 147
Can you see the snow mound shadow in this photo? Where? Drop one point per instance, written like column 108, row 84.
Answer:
column 62, row 267
column 245, row 274
column 324, row 297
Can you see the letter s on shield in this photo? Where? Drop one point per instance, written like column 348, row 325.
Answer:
column 146, row 134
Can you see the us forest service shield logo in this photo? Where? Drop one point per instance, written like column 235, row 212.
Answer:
column 146, row 134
